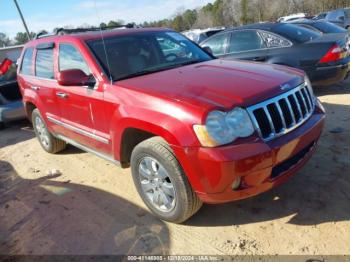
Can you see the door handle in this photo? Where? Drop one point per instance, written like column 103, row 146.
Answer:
column 35, row 88
column 62, row 95
column 259, row 58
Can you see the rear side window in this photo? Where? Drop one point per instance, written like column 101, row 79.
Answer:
column 217, row 44
column 245, row 40
column 44, row 63
column 26, row 68
column 70, row 58
column 274, row 41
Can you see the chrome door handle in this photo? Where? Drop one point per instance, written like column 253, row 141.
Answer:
column 62, row 95
column 35, row 88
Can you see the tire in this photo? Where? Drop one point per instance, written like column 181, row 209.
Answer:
column 185, row 201
column 2, row 125
column 47, row 141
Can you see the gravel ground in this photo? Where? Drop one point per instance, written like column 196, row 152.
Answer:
column 92, row 207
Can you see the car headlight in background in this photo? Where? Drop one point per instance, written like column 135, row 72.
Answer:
column 224, row 127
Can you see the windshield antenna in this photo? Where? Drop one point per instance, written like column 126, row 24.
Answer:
column 103, row 43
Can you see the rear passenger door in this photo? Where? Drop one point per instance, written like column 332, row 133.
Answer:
column 40, row 80
column 246, row 45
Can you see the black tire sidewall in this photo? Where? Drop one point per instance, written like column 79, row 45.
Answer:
column 138, row 154
column 36, row 114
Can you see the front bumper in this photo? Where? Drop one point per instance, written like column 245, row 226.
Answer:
column 260, row 165
column 12, row 111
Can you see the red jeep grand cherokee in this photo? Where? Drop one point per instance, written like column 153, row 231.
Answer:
column 193, row 128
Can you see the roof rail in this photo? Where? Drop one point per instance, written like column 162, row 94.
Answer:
column 65, row 31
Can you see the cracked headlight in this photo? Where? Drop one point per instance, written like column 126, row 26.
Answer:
column 224, row 127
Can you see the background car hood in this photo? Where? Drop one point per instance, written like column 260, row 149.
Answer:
column 218, row 83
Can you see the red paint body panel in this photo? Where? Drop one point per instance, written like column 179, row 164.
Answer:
column 168, row 104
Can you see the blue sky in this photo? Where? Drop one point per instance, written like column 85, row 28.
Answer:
column 48, row 14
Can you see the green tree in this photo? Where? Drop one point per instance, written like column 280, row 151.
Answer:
column 115, row 23
column 4, row 40
column 22, row 38
column 244, row 11
column 178, row 23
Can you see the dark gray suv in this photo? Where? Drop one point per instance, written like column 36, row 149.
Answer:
column 339, row 17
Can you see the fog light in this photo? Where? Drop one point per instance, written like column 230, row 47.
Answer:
column 236, row 183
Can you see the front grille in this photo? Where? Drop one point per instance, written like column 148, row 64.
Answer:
column 291, row 162
column 281, row 114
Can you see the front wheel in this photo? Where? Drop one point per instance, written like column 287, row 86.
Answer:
column 48, row 142
column 161, row 182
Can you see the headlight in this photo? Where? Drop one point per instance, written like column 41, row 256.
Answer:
column 222, row 128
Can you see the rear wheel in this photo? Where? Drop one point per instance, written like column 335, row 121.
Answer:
column 161, row 182
column 48, row 142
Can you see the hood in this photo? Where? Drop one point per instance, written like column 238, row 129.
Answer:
column 217, row 83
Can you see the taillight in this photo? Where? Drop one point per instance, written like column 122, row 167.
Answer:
column 333, row 54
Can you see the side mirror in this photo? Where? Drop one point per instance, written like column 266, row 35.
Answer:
column 75, row 77
column 208, row 50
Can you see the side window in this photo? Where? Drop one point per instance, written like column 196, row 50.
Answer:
column 26, row 67
column 217, row 44
column 44, row 63
column 245, row 40
column 334, row 15
column 70, row 58
column 273, row 40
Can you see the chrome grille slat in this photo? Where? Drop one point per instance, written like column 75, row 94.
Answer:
column 281, row 114
column 298, row 107
column 277, row 116
column 290, row 110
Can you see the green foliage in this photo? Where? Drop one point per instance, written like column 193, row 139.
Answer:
column 22, row 38
column 4, row 40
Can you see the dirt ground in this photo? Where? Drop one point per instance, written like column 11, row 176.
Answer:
column 92, row 207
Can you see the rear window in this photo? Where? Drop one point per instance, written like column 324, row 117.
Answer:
column 44, row 64
column 296, row 33
column 26, row 68
column 327, row 27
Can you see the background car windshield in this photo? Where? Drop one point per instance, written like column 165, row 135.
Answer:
column 296, row 33
column 142, row 53
column 329, row 27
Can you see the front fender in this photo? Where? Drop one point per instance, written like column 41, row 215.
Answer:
column 177, row 131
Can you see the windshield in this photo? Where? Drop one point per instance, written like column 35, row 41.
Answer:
column 296, row 33
column 147, row 52
column 327, row 27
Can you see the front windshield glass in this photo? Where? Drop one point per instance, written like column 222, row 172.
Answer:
column 327, row 27
column 147, row 52
column 296, row 33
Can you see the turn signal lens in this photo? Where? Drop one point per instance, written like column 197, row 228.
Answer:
column 204, row 137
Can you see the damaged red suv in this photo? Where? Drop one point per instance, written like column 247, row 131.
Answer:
column 193, row 128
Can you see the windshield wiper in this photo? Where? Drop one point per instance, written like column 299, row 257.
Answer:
column 139, row 73
column 158, row 69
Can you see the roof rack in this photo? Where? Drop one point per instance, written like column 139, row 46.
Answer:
column 65, row 31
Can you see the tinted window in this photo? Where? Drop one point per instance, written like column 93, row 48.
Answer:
column 244, row 41
column 26, row 68
column 273, row 40
column 326, row 27
column 44, row 64
column 216, row 44
column 70, row 58
column 145, row 53
column 295, row 33
column 334, row 15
